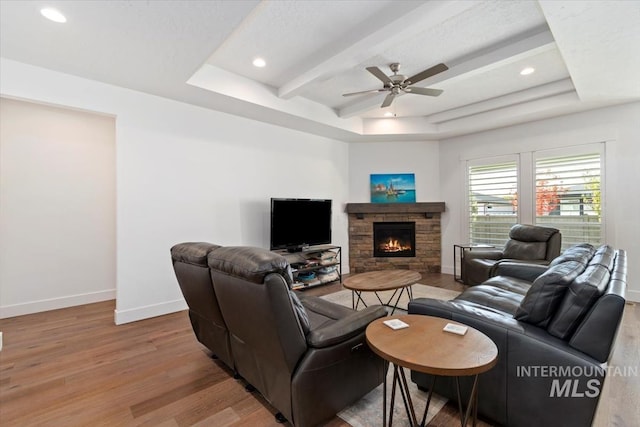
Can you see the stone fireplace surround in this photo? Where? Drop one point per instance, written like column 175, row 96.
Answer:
column 428, row 235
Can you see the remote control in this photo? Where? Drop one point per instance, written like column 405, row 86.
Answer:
column 455, row 329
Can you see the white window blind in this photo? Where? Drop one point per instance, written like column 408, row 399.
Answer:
column 492, row 202
column 569, row 197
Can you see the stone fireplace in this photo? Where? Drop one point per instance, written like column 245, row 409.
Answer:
column 364, row 252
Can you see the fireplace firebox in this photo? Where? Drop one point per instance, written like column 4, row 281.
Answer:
column 394, row 239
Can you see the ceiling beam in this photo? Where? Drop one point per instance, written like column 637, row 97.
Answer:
column 538, row 92
column 527, row 44
column 539, row 109
column 383, row 33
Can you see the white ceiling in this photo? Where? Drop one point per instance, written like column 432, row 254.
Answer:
column 586, row 55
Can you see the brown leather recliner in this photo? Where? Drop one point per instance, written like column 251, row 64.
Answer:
column 308, row 357
column 527, row 243
column 192, row 272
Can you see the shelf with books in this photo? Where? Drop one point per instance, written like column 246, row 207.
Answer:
column 314, row 266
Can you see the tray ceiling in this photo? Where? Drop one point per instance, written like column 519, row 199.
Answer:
column 201, row 52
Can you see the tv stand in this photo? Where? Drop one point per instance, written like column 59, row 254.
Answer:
column 294, row 249
column 314, row 265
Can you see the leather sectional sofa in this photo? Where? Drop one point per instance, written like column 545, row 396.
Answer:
column 554, row 326
column 307, row 357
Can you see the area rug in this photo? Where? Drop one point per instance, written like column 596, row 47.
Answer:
column 419, row 291
column 368, row 410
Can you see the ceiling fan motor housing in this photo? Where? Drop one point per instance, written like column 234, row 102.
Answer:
column 396, row 78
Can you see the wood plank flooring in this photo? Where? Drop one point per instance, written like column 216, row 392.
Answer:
column 74, row 367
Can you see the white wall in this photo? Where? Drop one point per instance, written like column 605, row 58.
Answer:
column 420, row 158
column 618, row 126
column 185, row 173
column 57, row 208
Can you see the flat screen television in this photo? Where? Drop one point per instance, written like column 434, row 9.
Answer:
column 296, row 223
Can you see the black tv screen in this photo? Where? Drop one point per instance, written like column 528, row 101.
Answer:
column 296, row 223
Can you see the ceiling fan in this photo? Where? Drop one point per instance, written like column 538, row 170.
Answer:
column 397, row 82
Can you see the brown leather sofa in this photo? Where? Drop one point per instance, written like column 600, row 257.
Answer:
column 531, row 244
column 192, row 271
column 555, row 329
column 307, row 357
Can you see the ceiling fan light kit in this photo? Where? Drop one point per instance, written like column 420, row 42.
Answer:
column 397, row 83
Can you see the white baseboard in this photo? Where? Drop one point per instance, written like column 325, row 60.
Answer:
column 148, row 311
column 633, row 295
column 55, row 303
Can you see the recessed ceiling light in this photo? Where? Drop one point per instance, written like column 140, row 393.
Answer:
column 527, row 71
column 53, row 15
column 389, row 114
column 259, row 62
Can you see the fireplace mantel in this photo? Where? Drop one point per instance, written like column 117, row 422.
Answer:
column 380, row 208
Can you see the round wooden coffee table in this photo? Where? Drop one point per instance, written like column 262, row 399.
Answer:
column 399, row 281
column 425, row 347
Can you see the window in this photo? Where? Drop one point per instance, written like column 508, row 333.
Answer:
column 561, row 188
column 492, row 201
column 569, row 196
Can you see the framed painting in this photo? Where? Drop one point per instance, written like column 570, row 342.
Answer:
column 393, row 188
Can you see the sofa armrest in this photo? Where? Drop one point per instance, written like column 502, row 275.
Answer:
column 483, row 253
column 326, row 309
column 519, row 270
column 344, row 328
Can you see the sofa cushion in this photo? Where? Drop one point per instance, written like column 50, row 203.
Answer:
column 511, row 284
column 322, row 312
column 605, row 255
column 252, row 264
column 581, row 252
column 546, row 293
column 192, row 253
column 531, row 233
column 525, row 250
column 492, row 298
column 578, row 300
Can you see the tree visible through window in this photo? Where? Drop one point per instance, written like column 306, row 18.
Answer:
column 548, row 197
column 568, row 197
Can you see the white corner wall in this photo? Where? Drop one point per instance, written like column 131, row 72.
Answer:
column 57, row 208
column 420, row 158
column 186, row 173
column 617, row 126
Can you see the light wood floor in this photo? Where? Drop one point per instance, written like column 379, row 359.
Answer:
column 74, row 367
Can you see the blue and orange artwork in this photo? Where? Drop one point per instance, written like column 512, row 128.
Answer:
column 393, row 188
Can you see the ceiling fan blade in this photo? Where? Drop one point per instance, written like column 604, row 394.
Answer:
column 380, row 75
column 363, row 92
column 436, row 69
column 424, row 91
column 388, row 100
